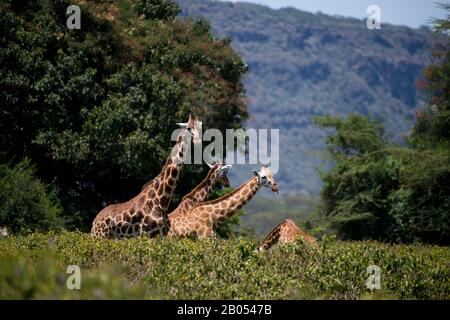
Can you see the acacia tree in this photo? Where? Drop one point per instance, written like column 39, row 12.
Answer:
column 381, row 191
column 94, row 108
column 432, row 128
column 356, row 189
column 429, row 170
column 378, row 190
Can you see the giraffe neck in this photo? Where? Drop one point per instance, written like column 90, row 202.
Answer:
column 229, row 204
column 170, row 175
column 180, row 150
column 166, row 182
column 199, row 194
column 271, row 238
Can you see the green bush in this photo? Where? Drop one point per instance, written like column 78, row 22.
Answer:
column 26, row 202
column 218, row 269
column 381, row 191
column 23, row 278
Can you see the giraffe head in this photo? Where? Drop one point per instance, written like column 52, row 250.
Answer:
column 266, row 178
column 193, row 129
column 221, row 169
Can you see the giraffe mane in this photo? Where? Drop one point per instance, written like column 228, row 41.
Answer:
column 227, row 195
column 275, row 230
column 167, row 163
column 147, row 184
column 201, row 184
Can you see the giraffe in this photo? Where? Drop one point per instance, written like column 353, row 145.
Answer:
column 285, row 232
column 146, row 213
column 217, row 173
column 206, row 217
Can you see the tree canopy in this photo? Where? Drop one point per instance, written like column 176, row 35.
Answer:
column 379, row 190
column 94, row 108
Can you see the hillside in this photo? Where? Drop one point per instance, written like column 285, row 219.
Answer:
column 304, row 64
column 263, row 213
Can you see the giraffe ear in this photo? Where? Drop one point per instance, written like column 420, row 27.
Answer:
column 210, row 165
column 256, row 173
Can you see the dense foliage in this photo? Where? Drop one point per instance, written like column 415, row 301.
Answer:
column 35, row 267
column 27, row 204
column 378, row 190
column 94, row 108
column 432, row 128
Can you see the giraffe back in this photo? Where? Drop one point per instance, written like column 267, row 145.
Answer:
column 285, row 232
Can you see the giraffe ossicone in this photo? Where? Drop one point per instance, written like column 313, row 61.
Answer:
column 146, row 213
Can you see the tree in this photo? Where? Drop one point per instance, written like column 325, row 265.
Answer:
column 378, row 190
column 432, row 128
column 356, row 190
column 382, row 191
column 94, row 108
column 429, row 172
column 27, row 204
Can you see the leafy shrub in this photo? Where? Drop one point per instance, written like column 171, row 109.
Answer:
column 26, row 202
column 219, row 269
column 378, row 190
column 23, row 278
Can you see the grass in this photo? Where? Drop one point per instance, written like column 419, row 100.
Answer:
column 34, row 267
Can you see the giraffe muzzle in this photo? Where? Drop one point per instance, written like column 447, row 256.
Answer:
column 225, row 182
column 275, row 188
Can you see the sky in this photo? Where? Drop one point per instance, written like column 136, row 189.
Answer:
column 412, row 13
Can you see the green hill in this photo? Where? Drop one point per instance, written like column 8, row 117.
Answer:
column 304, row 64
